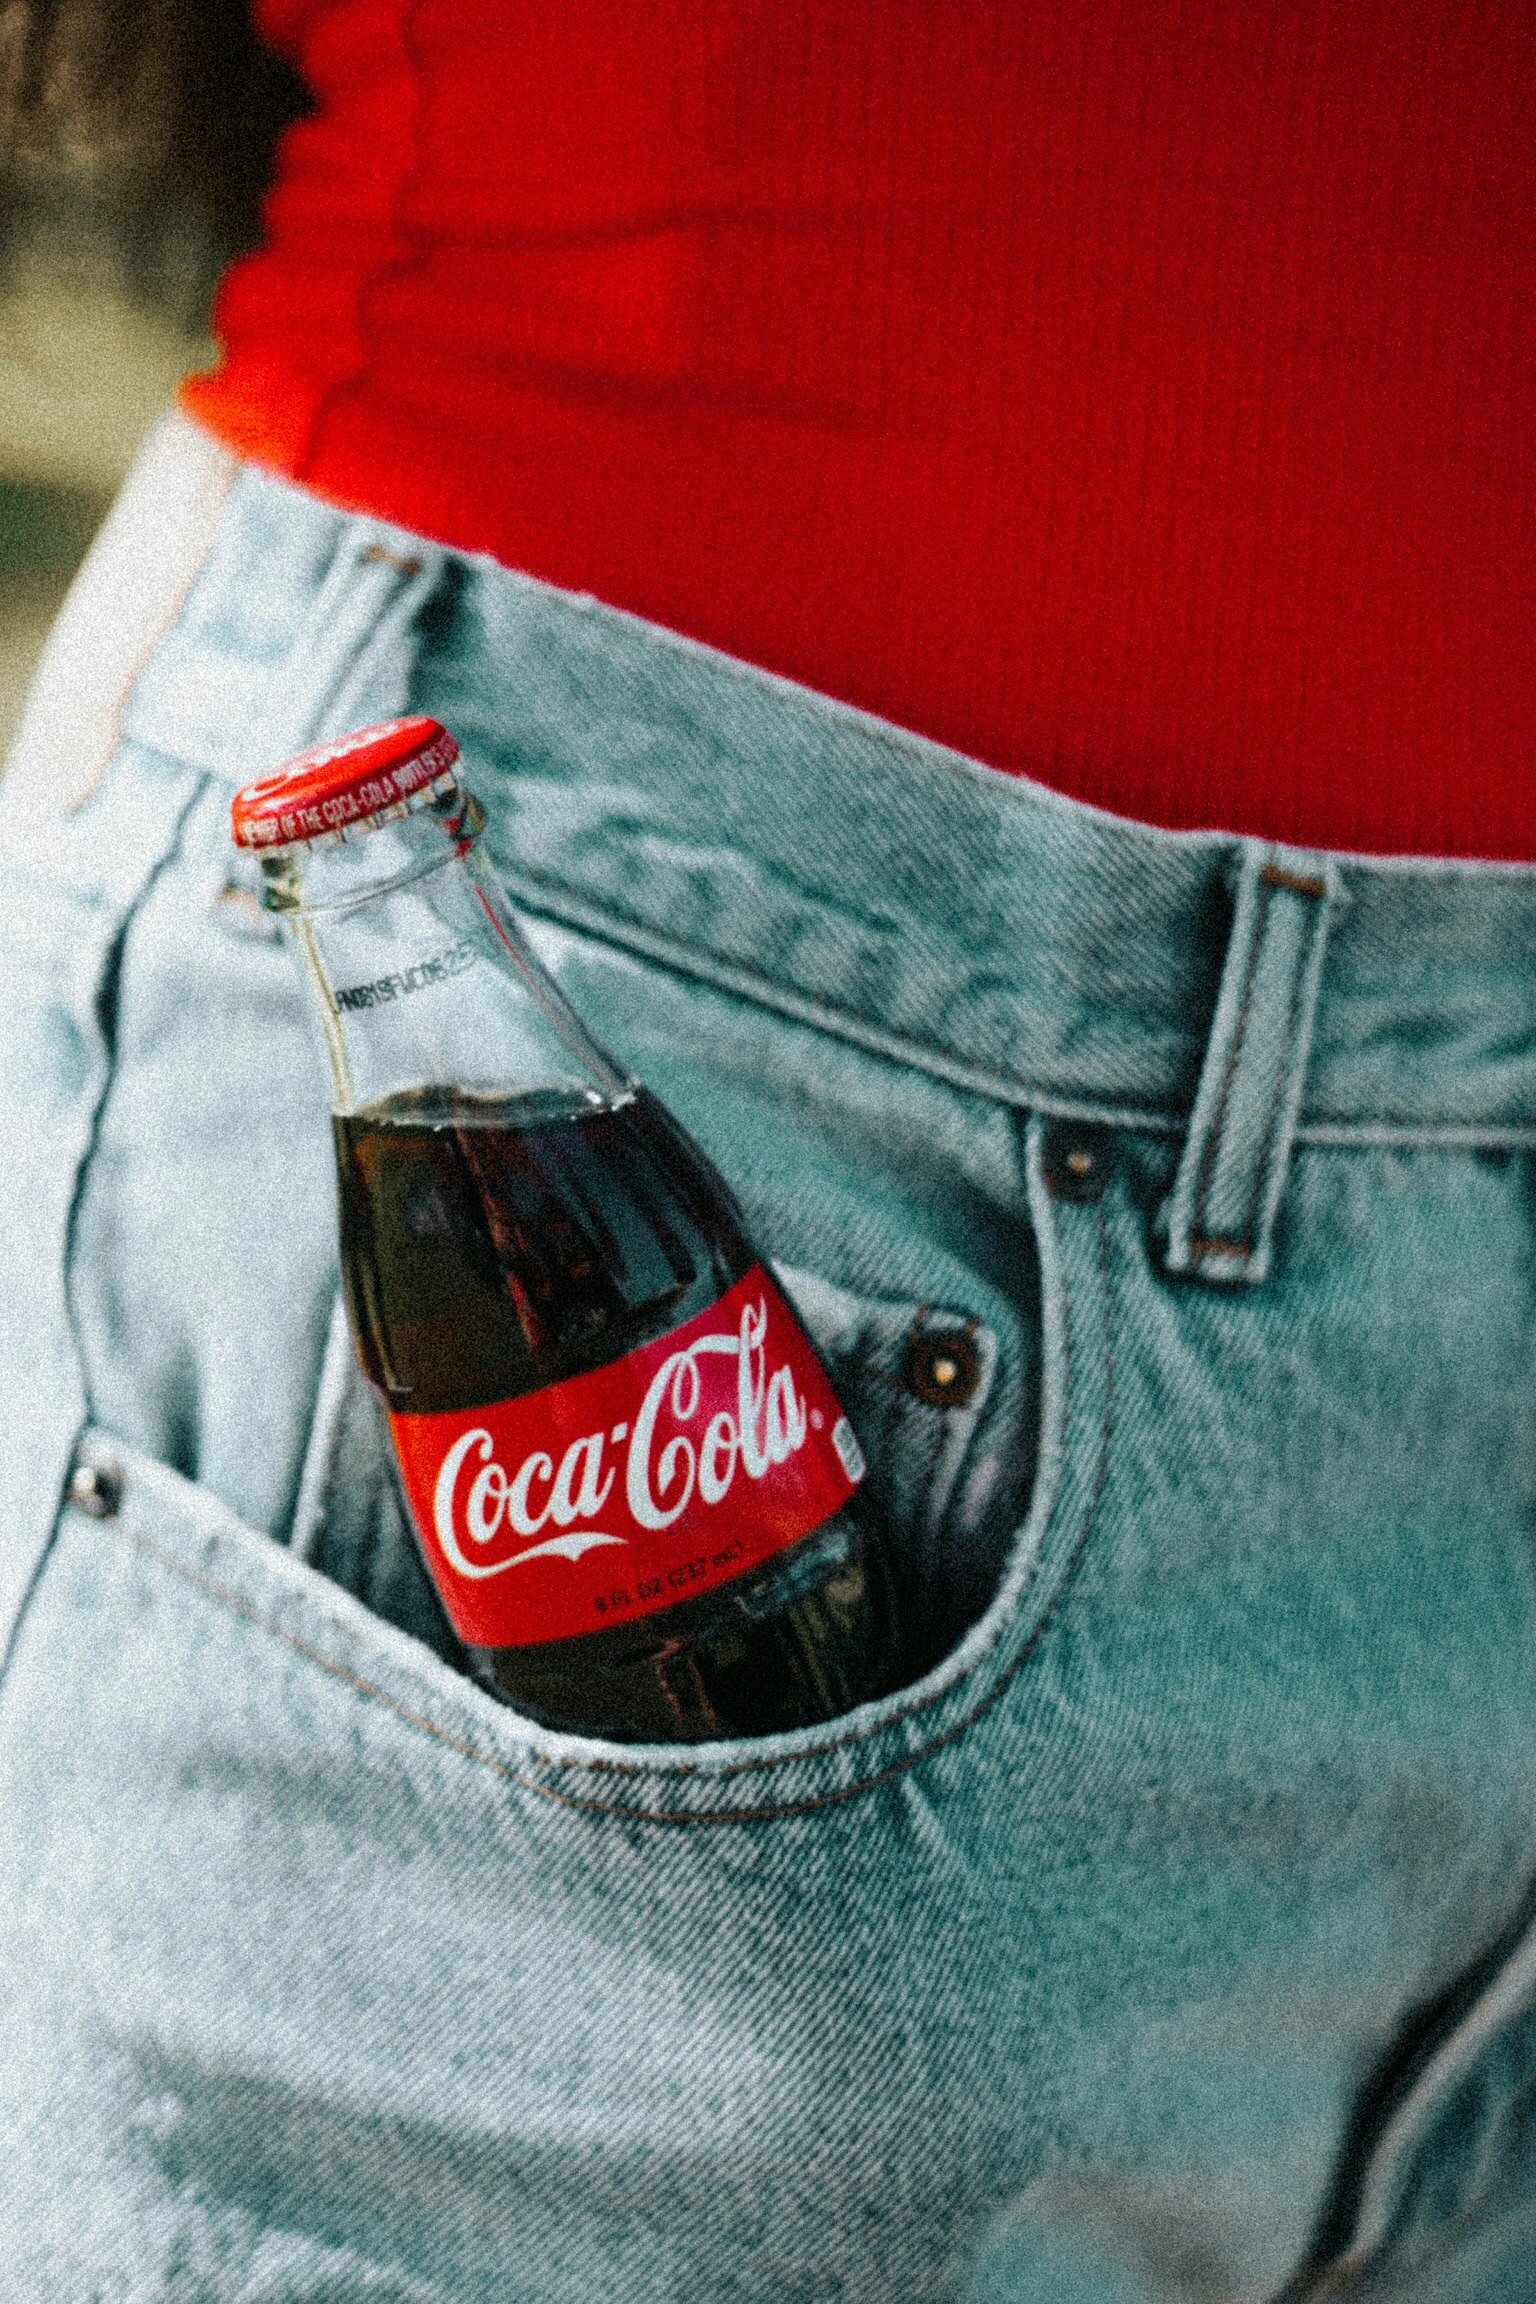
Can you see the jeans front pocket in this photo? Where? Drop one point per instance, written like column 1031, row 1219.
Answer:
column 914, row 1379
column 939, row 1468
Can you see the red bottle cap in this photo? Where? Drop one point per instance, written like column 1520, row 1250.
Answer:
column 372, row 773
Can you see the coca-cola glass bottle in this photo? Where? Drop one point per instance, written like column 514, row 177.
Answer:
column 627, row 1470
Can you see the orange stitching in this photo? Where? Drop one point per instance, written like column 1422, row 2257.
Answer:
column 377, row 553
column 1299, row 883
column 1199, row 1248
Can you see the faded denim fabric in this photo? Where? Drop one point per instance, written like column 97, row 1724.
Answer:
column 1171, row 1935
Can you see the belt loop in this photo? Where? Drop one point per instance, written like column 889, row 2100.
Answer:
column 1220, row 1215
column 352, row 658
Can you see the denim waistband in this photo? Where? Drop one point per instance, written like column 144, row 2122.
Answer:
column 735, row 826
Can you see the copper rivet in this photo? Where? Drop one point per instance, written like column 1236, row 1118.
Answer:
column 943, row 1370
column 96, row 1489
column 1077, row 1160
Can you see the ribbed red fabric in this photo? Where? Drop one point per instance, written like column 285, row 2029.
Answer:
column 1140, row 394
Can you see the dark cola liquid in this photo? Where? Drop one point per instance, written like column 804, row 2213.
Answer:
column 493, row 1247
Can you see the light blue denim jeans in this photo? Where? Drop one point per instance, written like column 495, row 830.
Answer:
column 1170, row 1936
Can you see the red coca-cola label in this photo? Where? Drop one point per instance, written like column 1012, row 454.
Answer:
column 633, row 1487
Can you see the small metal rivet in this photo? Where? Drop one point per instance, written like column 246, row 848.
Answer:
column 944, row 1369
column 1076, row 1160
column 96, row 1489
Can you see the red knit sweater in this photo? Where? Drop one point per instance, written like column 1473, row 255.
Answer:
column 1139, row 394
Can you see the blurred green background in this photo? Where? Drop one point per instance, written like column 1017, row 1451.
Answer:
column 136, row 140
column 85, row 367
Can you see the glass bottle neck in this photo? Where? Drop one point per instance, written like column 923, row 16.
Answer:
column 427, row 990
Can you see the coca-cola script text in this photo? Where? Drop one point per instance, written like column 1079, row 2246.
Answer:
column 636, row 1485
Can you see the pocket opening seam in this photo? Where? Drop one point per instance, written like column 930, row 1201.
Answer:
column 355, row 1680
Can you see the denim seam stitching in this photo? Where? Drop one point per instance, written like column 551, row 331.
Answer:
column 111, row 961
column 749, row 1815
column 1389, row 1128
column 814, row 1009
column 15, row 1630
column 608, row 924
